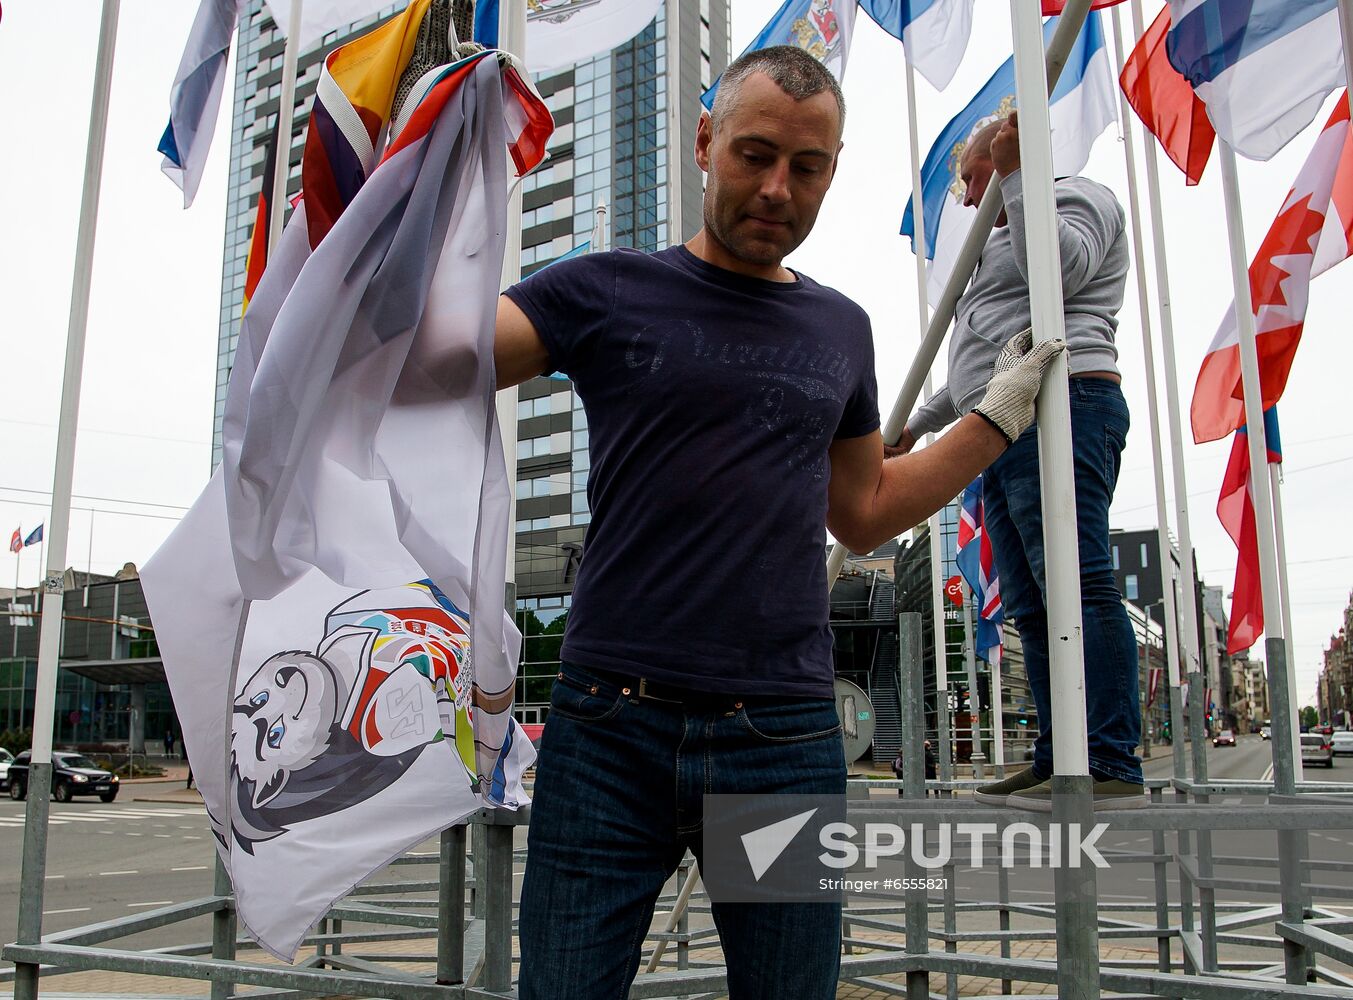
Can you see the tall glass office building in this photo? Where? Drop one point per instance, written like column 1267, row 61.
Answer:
column 622, row 138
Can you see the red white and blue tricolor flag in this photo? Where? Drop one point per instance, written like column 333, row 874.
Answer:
column 1235, row 510
column 1262, row 67
column 978, row 565
column 16, row 541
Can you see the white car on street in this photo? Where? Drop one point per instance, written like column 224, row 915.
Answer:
column 1342, row 743
column 6, row 758
column 1316, row 749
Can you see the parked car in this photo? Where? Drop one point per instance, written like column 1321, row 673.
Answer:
column 6, row 759
column 1342, row 742
column 1225, row 738
column 1316, row 749
column 72, row 774
column 1266, row 733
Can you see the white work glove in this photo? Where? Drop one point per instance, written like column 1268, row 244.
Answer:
column 1015, row 381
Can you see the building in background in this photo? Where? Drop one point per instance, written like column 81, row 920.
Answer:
column 914, row 590
column 625, row 132
column 111, row 687
column 1334, row 692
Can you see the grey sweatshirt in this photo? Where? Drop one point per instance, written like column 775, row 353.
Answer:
column 1093, row 240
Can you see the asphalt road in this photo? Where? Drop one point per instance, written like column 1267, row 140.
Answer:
column 108, row 861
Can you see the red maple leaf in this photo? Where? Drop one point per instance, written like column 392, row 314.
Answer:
column 1295, row 231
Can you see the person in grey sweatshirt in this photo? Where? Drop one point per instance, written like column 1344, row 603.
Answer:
column 1094, row 255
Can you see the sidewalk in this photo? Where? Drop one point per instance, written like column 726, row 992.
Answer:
column 172, row 786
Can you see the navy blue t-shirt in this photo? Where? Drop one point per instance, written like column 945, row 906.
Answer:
column 711, row 401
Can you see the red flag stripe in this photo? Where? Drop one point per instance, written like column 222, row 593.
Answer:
column 1165, row 102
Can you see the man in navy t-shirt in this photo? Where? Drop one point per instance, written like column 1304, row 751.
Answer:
column 733, row 413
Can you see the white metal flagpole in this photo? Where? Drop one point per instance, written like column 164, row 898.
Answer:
column 1188, row 604
column 944, row 748
column 512, row 38
column 1163, row 547
column 1285, row 725
column 675, row 152
column 1280, row 537
column 1054, row 402
column 49, row 641
column 1072, row 787
column 285, row 112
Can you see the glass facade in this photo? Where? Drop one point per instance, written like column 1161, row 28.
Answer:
column 105, row 631
column 610, row 146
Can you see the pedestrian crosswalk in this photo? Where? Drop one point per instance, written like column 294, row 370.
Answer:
column 74, row 814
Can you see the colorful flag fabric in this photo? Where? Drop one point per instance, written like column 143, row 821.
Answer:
column 1052, row 7
column 1235, row 510
column 34, row 536
column 1312, row 233
column 330, row 610
column 977, row 562
column 822, row 28
column 354, row 98
column 1083, row 105
column 486, row 23
column 560, row 33
column 933, row 32
column 195, row 97
column 1166, row 104
column 257, row 258
column 1262, row 67
column 16, row 541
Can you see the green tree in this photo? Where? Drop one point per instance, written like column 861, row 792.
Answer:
column 1309, row 718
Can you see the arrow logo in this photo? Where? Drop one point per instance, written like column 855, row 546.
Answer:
column 766, row 844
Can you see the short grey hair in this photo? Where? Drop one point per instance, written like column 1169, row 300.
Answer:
column 979, row 143
column 794, row 71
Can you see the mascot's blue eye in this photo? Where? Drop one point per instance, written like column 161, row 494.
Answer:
column 275, row 735
column 259, row 699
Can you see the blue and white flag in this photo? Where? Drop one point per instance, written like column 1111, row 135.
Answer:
column 1262, row 67
column 934, row 33
column 1082, row 106
column 195, row 98
column 822, row 28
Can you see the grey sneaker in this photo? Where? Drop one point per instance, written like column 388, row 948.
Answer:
column 998, row 792
column 1109, row 795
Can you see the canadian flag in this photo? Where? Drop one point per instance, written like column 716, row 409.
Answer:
column 1312, row 233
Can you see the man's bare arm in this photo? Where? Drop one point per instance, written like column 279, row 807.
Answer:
column 518, row 351
column 870, row 500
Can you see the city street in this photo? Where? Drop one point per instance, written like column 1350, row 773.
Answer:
column 109, row 861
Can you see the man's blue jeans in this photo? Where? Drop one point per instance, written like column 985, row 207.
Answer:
column 618, row 799
column 1014, row 518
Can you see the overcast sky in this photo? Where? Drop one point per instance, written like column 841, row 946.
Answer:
column 144, row 447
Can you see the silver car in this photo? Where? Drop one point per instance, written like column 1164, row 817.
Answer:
column 1342, row 742
column 1316, row 749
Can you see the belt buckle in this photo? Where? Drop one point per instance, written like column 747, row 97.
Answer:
column 644, row 692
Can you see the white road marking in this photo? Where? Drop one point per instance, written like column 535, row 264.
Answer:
column 157, row 902
column 55, row 876
column 190, row 868
column 73, row 909
column 163, row 835
column 131, row 872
